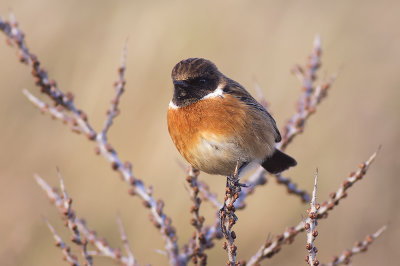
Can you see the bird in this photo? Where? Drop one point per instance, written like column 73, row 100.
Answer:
column 217, row 126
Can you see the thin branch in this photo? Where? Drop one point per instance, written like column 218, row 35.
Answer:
column 101, row 244
column 256, row 179
column 259, row 178
column 341, row 193
column 358, row 248
column 228, row 216
column 42, row 80
column 310, row 98
column 209, row 196
column 131, row 259
column 307, row 105
column 68, row 256
column 214, row 231
column 310, row 226
column 198, row 242
column 208, row 233
column 158, row 218
column 296, row 124
column 79, row 122
column 55, row 112
column 292, row 187
column 119, row 87
column 69, row 216
column 271, row 247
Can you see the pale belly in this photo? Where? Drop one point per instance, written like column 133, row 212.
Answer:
column 216, row 155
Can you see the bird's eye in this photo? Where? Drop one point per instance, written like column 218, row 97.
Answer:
column 202, row 81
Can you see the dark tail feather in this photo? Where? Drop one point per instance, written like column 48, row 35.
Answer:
column 278, row 162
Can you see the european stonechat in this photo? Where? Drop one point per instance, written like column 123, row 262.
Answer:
column 216, row 124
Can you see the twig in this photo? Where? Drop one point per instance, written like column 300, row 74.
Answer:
column 68, row 256
column 270, row 247
column 42, row 80
column 341, row 193
column 101, row 244
column 358, row 248
column 307, row 105
column 256, row 179
column 207, row 233
column 131, row 259
column 79, row 123
column 259, row 178
column 198, row 240
column 119, row 87
column 228, row 217
column 310, row 226
column 69, row 216
column 159, row 219
column 310, row 98
column 292, row 187
column 209, row 196
column 214, row 231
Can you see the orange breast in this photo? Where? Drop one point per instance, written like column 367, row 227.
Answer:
column 213, row 134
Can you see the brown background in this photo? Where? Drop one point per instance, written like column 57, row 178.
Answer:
column 80, row 43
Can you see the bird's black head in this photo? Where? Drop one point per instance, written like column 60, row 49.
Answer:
column 193, row 79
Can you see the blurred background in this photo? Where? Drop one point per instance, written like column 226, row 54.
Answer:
column 80, row 44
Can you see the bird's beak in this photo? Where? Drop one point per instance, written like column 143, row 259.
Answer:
column 180, row 83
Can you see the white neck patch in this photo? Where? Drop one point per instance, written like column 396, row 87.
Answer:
column 172, row 105
column 217, row 93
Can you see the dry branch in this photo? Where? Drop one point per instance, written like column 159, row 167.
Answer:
column 271, row 247
column 198, row 243
column 119, row 87
column 228, row 217
column 159, row 219
column 47, row 85
column 131, row 259
column 78, row 121
column 310, row 226
column 306, row 106
column 358, row 248
column 68, row 256
column 69, row 216
column 74, row 223
column 207, row 195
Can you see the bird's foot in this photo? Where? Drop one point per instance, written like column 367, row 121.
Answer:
column 234, row 180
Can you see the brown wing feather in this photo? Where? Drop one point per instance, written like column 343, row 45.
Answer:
column 235, row 89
